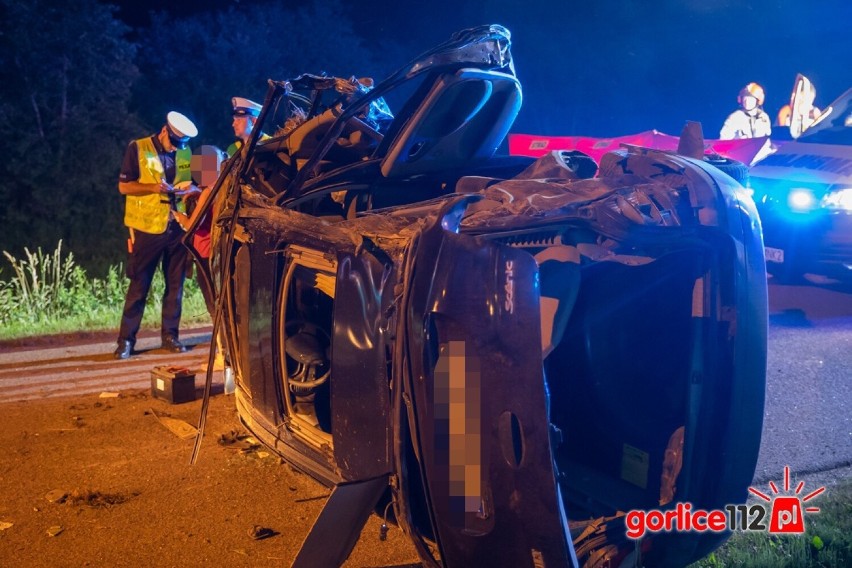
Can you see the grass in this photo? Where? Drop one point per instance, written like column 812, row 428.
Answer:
column 48, row 293
column 827, row 542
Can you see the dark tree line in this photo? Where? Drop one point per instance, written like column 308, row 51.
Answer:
column 76, row 84
column 75, row 88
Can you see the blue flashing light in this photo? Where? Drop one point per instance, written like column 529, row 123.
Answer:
column 801, row 200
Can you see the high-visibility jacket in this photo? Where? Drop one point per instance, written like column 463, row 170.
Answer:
column 150, row 213
column 235, row 147
column 741, row 124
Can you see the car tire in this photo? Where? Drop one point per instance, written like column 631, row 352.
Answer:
column 735, row 169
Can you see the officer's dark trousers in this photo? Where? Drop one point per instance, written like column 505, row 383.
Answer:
column 150, row 251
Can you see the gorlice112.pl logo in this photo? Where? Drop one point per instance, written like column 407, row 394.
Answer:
column 787, row 513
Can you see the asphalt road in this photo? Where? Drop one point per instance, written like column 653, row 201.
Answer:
column 79, row 366
column 808, row 416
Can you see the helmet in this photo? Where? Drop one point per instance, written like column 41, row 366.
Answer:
column 753, row 90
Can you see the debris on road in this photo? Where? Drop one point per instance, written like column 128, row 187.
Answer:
column 244, row 443
column 153, row 494
column 56, row 496
column 174, row 384
column 180, row 428
column 96, row 499
column 258, row 532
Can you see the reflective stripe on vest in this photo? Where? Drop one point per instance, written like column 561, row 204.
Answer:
column 150, row 213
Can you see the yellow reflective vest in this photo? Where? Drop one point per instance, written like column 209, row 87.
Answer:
column 150, row 213
column 236, row 146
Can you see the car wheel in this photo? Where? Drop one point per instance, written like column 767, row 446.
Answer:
column 735, row 169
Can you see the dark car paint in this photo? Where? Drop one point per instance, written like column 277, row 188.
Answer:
column 731, row 237
column 411, row 280
column 495, row 324
column 438, row 280
column 728, row 353
column 365, row 292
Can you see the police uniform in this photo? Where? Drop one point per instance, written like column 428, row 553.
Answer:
column 244, row 107
column 155, row 236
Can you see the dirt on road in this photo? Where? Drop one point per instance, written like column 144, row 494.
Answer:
column 91, row 481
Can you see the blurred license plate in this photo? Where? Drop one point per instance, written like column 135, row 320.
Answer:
column 774, row 254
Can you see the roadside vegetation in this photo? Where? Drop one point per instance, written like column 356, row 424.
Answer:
column 48, row 293
column 79, row 84
column 827, row 542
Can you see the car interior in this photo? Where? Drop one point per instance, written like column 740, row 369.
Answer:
column 307, row 307
column 454, row 122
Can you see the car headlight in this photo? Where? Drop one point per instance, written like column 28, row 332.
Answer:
column 801, row 200
column 841, row 199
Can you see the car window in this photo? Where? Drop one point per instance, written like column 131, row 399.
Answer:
column 308, row 299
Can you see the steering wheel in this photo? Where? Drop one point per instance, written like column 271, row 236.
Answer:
column 303, row 343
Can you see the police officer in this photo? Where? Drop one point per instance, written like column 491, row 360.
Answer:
column 245, row 116
column 155, row 176
column 750, row 120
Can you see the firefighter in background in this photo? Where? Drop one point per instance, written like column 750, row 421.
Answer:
column 155, row 177
column 750, row 120
column 245, row 116
column 783, row 118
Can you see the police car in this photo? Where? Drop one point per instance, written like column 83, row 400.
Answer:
column 803, row 193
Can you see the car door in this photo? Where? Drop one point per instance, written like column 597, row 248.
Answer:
column 480, row 407
column 310, row 309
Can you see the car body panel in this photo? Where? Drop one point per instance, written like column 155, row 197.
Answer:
column 462, row 119
column 519, row 351
column 361, row 406
column 364, row 292
column 480, row 403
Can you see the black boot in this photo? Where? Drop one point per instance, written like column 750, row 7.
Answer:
column 172, row 344
column 124, row 349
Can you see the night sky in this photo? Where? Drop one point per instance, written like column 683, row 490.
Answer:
column 609, row 67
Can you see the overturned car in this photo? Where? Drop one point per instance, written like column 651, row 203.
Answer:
column 507, row 353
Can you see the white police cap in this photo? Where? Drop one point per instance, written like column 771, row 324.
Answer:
column 180, row 128
column 245, row 107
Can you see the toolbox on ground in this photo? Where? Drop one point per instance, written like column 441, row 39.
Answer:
column 173, row 384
